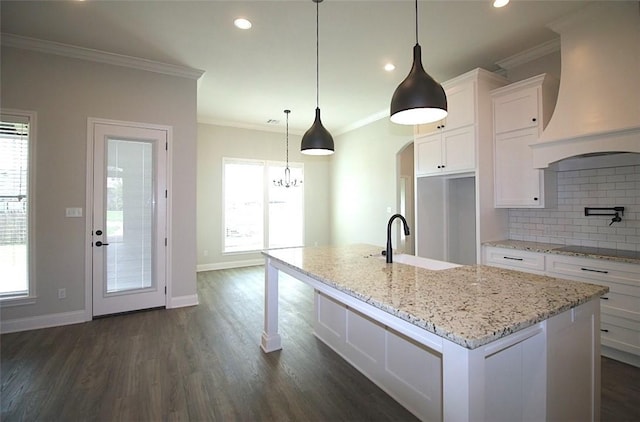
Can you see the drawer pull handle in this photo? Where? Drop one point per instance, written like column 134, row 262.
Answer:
column 595, row 271
column 604, row 298
column 604, row 330
column 513, row 259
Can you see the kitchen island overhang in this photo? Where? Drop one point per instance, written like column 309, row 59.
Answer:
column 468, row 318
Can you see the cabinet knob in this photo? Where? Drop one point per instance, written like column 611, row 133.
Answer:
column 535, row 199
column 534, row 120
column 439, row 167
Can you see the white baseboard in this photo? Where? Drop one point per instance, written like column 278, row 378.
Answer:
column 231, row 264
column 621, row 356
column 41, row 321
column 182, row 301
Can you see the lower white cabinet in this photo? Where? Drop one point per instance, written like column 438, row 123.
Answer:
column 620, row 308
column 514, row 259
column 620, row 323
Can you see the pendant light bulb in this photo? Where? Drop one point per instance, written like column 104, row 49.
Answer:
column 419, row 98
column 317, row 140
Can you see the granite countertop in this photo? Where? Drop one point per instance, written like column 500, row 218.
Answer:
column 468, row 305
column 618, row 255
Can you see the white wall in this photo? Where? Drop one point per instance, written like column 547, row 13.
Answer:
column 364, row 182
column 216, row 142
column 65, row 92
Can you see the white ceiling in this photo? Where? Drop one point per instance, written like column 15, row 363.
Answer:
column 252, row 76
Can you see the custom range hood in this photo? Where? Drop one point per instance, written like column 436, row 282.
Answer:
column 598, row 107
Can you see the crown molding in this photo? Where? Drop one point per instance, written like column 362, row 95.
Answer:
column 529, row 55
column 363, row 122
column 75, row 52
column 207, row 120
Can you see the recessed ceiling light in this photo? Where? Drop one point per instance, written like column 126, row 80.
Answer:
column 389, row 67
column 500, row 3
column 242, row 23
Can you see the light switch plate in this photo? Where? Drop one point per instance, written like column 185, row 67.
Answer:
column 73, row 212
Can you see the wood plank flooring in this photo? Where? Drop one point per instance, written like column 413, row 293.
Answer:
column 203, row 363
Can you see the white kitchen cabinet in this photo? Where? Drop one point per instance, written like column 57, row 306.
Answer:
column 460, row 108
column 520, row 112
column 514, row 259
column 620, row 327
column 515, row 108
column 620, row 308
column 446, row 151
column 517, row 183
column 455, row 210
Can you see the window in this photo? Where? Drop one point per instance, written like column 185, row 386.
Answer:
column 249, row 225
column 15, row 205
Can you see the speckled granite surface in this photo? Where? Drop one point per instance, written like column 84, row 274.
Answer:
column 630, row 257
column 469, row 305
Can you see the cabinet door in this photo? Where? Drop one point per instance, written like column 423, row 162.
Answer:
column 459, row 150
column 518, row 110
column 461, row 105
column 428, row 155
column 517, row 183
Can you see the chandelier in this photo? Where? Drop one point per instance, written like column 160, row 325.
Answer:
column 287, row 182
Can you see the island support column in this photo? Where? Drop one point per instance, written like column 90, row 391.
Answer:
column 463, row 382
column 271, row 340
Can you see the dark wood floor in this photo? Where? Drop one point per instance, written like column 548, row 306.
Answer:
column 204, row 363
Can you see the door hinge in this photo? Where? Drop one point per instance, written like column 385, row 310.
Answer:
column 166, row 193
column 166, row 146
column 165, row 241
column 165, row 290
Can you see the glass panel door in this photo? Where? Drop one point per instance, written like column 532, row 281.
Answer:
column 129, row 214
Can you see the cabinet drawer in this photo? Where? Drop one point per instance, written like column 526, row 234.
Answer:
column 620, row 333
column 622, row 300
column 592, row 270
column 515, row 259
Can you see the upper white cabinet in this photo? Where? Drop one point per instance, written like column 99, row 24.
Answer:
column 460, row 107
column 520, row 112
column 450, row 145
column 513, row 110
column 446, row 151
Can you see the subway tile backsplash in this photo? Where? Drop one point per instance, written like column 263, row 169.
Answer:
column 567, row 225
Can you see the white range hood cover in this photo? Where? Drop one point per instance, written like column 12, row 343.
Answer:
column 598, row 107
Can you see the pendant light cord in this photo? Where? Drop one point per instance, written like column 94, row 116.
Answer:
column 287, row 138
column 317, row 55
column 416, row 22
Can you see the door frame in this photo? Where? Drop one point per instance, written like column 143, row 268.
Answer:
column 88, row 255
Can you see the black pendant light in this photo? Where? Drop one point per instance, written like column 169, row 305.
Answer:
column 419, row 98
column 317, row 140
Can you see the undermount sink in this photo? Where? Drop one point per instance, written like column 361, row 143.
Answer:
column 418, row 261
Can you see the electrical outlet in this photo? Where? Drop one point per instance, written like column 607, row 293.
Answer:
column 62, row 293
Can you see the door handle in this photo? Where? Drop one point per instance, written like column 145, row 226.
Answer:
column 99, row 243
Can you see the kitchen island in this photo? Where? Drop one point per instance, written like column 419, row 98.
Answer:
column 453, row 343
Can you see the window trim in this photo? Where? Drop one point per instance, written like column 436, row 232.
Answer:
column 31, row 297
column 266, row 164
